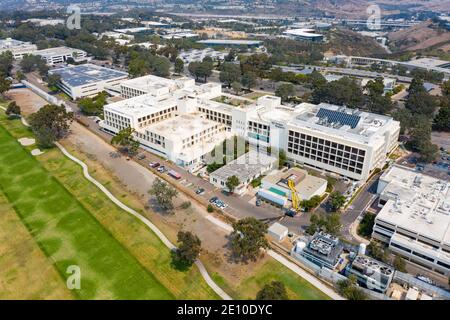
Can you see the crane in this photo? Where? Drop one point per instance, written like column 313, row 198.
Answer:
column 295, row 199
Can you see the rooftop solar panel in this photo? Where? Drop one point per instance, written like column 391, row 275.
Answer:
column 343, row 118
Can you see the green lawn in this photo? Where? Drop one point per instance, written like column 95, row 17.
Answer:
column 296, row 287
column 67, row 232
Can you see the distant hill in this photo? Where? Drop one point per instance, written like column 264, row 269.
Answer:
column 352, row 43
column 421, row 36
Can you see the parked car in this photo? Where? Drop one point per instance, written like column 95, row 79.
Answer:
column 162, row 169
column 200, row 191
column 291, row 213
column 174, row 174
column 213, row 200
column 258, row 202
column 141, row 156
column 154, row 164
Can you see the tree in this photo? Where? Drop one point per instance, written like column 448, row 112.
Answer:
column 236, row 87
column 336, row 200
column 30, row 63
column 93, row 106
column 421, row 103
column 53, row 81
column 231, row 56
column 6, row 63
column 272, row 291
column 201, row 69
column 179, row 66
column 229, row 73
column 366, row 225
column 375, row 250
column 285, row 91
column 5, row 84
column 282, row 157
column 163, row 193
column 330, row 223
column 232, row 182
column 248, row 237
column 189, row 246
column 50, row 124
column 13, row 109
column 420, row 139
column 345, row 91
column 349, row 289
column 316, row 79
column 375, row 87
column 399, row 264
column 441, row 121
column 125, row 141
column 248, row 80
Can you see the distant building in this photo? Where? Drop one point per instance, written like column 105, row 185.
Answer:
column 372, row 274
column 246, row 168
column 87, row 79
column 61, row 55
column 415, row 217
column 197, row 55
column 324, row 250
column 304, row 35
column 307, row 186
column 17, row 48
column 231, row 43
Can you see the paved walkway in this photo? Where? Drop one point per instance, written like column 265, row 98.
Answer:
column 292, row 266
column 121, row 205
column 160, row 235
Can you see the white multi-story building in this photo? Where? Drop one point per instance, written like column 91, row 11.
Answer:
column 415, row 217
column 17, row 48
column 61, row 55
column 87, row 80
column 345, row 141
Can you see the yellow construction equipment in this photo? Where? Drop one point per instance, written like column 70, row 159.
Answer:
column 295, row 200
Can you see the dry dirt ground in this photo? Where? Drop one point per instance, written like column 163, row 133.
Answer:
column 421, row 36
column 26, row 99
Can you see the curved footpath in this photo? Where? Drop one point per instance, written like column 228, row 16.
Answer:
column 288, row 264
column 121, row 205
column 160, row 235
column 299, row 271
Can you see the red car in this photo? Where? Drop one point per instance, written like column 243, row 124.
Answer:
column 154, row 164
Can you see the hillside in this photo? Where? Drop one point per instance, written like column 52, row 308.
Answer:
column 351, row 43
column 421, row 36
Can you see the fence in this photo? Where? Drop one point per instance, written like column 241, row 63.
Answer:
column 404, row 278
column 42, row 93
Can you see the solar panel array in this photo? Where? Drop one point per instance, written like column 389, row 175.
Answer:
column 338, row 116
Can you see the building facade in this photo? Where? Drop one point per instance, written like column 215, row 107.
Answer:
column 17, row 48
column 415, row 218
column 328, row 137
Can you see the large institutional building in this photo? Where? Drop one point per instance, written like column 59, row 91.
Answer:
column 345, row 141
column 415, row 217
column 87, row 79
column 17, row 48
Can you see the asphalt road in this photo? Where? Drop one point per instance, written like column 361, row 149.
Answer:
column 239, row 207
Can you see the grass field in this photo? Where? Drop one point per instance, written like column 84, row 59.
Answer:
column 22, row 263
column 296, row 287
column 74, row 223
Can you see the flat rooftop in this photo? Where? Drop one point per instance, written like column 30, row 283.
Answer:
column 340, row 121
column 305, row 184
column 230, row 42
column 12, row 43
column 149, row 82
column 56, row 51
column 183, row 126
column 246, row 166
column 84, row 74
column 430, row 63
column 307, row 33
column 141, row 105
column 421, row 205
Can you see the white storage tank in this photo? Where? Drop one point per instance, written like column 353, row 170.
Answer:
column 362, row 248
column 299, row 246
